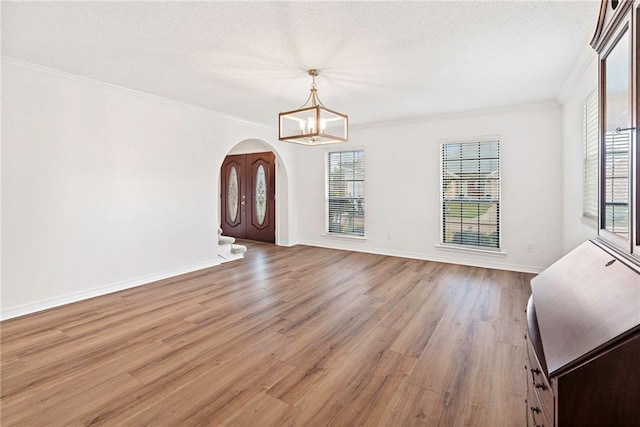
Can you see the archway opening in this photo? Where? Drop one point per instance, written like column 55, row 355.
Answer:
column 230, row 205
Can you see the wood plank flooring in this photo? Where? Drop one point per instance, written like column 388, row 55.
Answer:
column 295, row 336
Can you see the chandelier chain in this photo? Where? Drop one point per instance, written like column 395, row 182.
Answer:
column 306, row 102
column 313, row 94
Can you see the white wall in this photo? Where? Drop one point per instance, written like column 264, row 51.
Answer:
column 105, row 188
column 403, row 178
column 576, row 229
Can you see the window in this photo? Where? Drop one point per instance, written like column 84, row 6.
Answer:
column 590, row 157
column 345, row 192
column 470, row 194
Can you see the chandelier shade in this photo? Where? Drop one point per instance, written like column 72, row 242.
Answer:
column 313, row 123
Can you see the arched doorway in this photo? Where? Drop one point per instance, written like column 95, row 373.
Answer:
column 248, row 185
column 279, row 202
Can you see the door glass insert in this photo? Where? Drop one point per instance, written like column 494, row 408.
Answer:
column 615, row 187
column 232, row 195
column 261, row 195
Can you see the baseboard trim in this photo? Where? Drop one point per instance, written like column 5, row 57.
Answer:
column 34, row 307
column 429, row 257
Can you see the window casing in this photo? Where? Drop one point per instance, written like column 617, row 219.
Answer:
column 470, row 194
column 590, row 157
column 619, row 179
column 345, row 193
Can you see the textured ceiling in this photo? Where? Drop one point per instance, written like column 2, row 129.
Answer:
column 378, row 60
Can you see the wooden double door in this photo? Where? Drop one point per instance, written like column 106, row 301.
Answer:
column 248, row 196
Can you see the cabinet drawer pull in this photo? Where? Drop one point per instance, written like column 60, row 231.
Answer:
column 540, row 386
column 535, row 409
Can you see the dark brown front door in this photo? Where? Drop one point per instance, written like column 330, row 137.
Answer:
column 248, row 196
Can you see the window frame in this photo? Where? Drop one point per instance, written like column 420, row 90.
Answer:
column 327, row 197
column 466, row 247
column 626, row 245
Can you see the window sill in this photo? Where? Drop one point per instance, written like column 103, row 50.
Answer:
column 344, row 236
column 464, row 249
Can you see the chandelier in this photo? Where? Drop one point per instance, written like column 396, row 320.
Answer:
column 313, row 123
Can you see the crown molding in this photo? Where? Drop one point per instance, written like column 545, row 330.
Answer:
column 532, row 106
column 584, row 60
column 119, row 89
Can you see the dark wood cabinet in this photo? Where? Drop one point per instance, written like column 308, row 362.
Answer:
column 583, row 339
column 583, row 317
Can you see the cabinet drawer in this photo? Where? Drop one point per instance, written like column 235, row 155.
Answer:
column 530, row 421
column 537, row 382
column 536, row 416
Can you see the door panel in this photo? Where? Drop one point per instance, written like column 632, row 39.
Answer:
column 260, row 197
column 248, row 196
column 233, row 197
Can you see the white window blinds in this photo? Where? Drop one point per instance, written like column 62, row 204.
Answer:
column 345, row 192
column 590, row 156
column 470, row 194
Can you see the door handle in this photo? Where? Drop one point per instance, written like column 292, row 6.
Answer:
column 619, row 129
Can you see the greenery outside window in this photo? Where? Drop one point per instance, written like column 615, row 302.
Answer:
column 470, row 194
column 345, row 193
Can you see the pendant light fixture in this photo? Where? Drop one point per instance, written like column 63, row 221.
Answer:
column 313, row 123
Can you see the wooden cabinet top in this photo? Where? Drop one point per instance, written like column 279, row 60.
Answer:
column 584, row 302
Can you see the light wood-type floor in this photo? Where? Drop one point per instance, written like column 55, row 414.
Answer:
column 288, row 336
